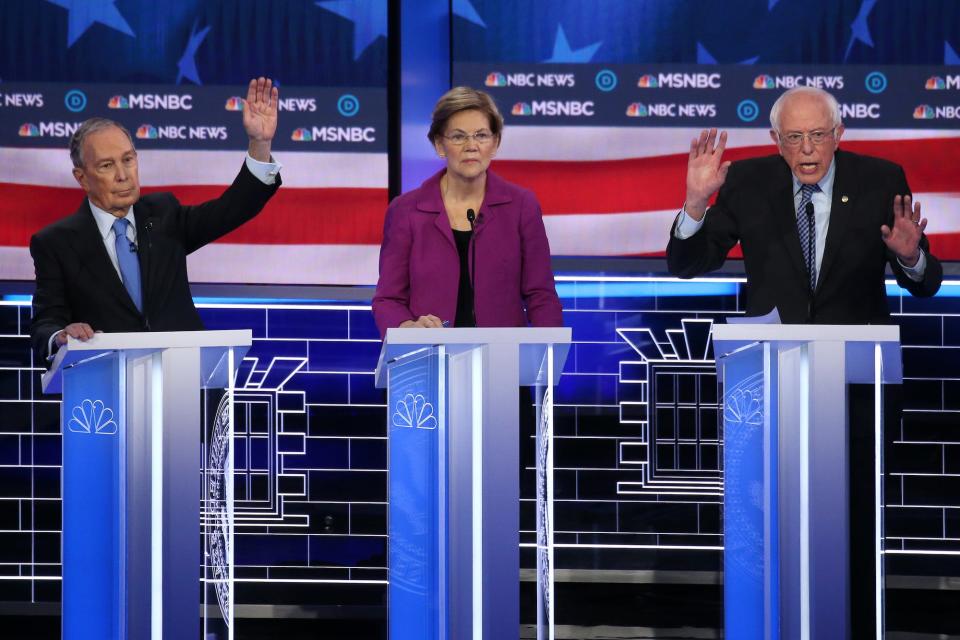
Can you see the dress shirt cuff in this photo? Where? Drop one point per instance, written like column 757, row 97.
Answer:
column 686, row 226
column 915, row 272
column 265, row 172
column 50, row 350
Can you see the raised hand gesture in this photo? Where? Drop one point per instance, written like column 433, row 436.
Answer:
column 706, row 171
column 260, row 117
column 904, row 238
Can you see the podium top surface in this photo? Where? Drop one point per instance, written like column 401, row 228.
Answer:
column 746, row 333
column 400, row 342
column 140, row 344
column 859, row 342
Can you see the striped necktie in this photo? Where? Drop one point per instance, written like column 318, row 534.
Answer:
column 807, row 228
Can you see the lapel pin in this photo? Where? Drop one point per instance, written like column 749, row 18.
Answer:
column 844, row 199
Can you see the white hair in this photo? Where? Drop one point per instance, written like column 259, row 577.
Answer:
column 828, row 99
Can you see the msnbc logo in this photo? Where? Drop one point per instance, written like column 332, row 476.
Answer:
column 29, row 130
column 521, row 109
column 764, row 82
column 647, row 82
column 636, row 110
column 496, row 79
column 147, row 132
column 234, row 103
column 118, row 102
column 302, row 135
column 935, row 83
column 923, row 112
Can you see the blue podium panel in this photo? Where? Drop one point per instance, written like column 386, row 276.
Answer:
column 750, row 519
column 93, row 502
column 418, row 523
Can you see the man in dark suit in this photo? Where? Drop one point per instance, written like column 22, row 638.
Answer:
column 817, row 227
column 119, row 262
column 862, row 220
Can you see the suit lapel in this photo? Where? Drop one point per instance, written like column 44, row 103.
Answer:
column 786, row 211
column 144, row 247
column 841, row 210
column 93, row 256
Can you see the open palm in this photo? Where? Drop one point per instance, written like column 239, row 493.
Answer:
column 260, row 110
column 706, row 169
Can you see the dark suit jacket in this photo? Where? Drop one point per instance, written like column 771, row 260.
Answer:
column 76, row 282
column 756, row 207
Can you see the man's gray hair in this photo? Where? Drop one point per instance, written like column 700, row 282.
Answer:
column 826, row 96
column 92, row 125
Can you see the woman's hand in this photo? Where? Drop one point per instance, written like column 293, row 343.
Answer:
column 427, row 322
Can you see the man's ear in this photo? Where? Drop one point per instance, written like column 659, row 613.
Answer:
column 838, row 135
column 775, row 136
column 79, row 177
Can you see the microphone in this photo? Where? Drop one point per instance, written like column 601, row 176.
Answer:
column 808, row 210
column 471, row 217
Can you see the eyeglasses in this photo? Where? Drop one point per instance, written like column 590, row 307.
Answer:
column 459, row 138
column 818, row 137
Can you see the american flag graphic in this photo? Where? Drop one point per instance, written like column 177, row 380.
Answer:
column 616, row 191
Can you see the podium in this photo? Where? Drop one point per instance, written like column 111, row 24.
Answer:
column 137, row 464
column 454, row 561
column 786, row 501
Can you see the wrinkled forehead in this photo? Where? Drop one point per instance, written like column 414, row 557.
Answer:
column 109, row 143
column 805, row 112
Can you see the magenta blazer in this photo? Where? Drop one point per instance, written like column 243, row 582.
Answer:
column 420, row 266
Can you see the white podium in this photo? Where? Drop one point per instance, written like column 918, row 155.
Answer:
column 786, row 500
column 137, row 464
column 454, row 521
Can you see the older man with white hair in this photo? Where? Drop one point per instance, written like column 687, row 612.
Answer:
column 818, row 227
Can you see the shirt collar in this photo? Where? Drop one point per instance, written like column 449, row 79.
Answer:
column 825, row 183
column 105, row 220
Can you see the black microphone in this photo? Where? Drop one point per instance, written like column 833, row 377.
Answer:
column 813, row 225
column 471, row 216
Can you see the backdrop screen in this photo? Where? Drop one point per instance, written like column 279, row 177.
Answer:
column 602, row 98
column 173, row 73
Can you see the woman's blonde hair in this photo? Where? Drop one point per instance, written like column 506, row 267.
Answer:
column 461, row 99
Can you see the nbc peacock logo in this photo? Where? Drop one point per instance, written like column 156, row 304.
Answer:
column 923, row 112
column 302, row 135
column 147, row 132
column 763, row 81
column 648, row 81
column 935, row 83
column 118, row 102
column 234, row 103
column 496, row 79
column 521, row 109
column 637, row 110
column 29, row 130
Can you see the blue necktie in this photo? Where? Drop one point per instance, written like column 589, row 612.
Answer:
column 127, row 259
column 807, row 228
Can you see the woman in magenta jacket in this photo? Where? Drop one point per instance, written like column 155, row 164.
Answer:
column 466, row 248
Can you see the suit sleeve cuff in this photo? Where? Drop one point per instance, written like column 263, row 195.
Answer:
column 915, row 272
column 265, row 172
column 686, row 226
